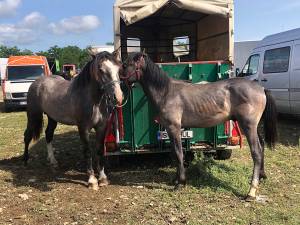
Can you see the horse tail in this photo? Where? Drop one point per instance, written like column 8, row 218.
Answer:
column 270, row 120
column 34, row 114
column 37, row 125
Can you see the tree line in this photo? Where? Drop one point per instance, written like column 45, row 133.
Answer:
column 65, row 55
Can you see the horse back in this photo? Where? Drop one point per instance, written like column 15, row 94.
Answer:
column 52, row 95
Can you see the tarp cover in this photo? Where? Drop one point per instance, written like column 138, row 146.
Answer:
column 132, row 11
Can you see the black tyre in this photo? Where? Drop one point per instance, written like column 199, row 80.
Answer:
column 223, row 154
column 188, row 158
column 7, row 108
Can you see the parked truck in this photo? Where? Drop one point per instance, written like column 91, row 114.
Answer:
column 21, row 71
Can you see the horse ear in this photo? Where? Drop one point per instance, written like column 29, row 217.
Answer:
column 144, row 52
column 91, row 53
column 116, row 54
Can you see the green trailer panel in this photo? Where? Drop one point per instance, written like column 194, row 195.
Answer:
column 139, row 125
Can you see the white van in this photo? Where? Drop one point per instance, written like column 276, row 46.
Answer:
column 3, row 64
column 275, row 64
column 21, row 71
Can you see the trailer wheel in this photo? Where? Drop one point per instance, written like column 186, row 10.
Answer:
column 188, row 158
column 223, row 154
column 113, row 161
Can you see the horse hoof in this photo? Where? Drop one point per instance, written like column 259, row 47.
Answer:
column 262, row 177
column 93, row 186
column 54, row 165
column 250, row 198
column 103, row 182
column 179, row 187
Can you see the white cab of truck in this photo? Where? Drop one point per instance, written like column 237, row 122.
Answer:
column 275, row 64
column 21, row 72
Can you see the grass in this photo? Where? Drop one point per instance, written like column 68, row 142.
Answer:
column 141, row 191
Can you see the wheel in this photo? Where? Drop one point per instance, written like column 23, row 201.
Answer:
column 223, row 154
column 188, row 158
column 112, row 161
column 7, row 108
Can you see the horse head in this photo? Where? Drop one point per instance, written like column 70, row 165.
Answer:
column 134, row 67
column 105, row 68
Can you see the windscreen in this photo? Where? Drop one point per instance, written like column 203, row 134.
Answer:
column 24, row 72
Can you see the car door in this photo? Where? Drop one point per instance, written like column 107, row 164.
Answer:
column 250, row 70
column 295, row 79
column 274, row 74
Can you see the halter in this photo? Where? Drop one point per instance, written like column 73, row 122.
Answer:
column 105, row 86
column 136, row 72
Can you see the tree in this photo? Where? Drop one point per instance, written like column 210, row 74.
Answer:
column 5, row 51
column 109, row 43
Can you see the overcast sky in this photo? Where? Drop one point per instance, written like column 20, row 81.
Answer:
column 39, row 24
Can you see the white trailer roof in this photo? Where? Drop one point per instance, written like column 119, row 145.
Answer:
column 132, row 11
column 208, row 23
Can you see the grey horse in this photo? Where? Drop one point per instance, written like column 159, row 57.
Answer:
column 86, row 102
column 182, row 104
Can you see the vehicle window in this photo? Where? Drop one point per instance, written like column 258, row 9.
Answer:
column 251, row 66
column 24, row 72
column 133, row 45
column 181, row 46
column 277, row 60
column 296, row 57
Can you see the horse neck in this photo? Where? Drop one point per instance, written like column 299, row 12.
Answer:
column 90, row 92
column 155, row 83
column 95, row 94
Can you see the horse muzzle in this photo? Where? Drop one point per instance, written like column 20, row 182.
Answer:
column 118, row 94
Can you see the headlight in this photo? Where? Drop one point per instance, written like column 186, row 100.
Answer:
column 8, row 96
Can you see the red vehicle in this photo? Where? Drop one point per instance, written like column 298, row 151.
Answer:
column 69, row 71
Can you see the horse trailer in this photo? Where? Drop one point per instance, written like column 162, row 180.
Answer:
column 190, row 41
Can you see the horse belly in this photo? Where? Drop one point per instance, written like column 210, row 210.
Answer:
column 208, row 115
column 195, row 121
column 60, row 110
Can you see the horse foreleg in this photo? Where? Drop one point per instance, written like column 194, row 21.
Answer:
column 49, row 137
column 174, row 133
column 256, row 153
column 100, row 158
column 84, row 136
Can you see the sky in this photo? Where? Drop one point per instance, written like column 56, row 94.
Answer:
column 40, row 24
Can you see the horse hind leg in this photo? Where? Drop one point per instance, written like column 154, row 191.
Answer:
column 28, row 135
column 49, row 137
column 262, row 174
column 256, row 153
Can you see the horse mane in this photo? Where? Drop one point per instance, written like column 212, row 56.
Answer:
column 84, row 77
column 155, row 75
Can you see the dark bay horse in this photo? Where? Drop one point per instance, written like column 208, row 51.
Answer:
column 86, row 102
column 182, row 104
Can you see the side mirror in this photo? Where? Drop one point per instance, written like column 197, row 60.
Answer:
column 237, row 72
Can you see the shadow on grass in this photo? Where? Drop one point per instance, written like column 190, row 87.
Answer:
column 151, row 170
column 289, row 130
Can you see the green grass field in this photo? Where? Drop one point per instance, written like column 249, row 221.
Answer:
column 141, row 191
